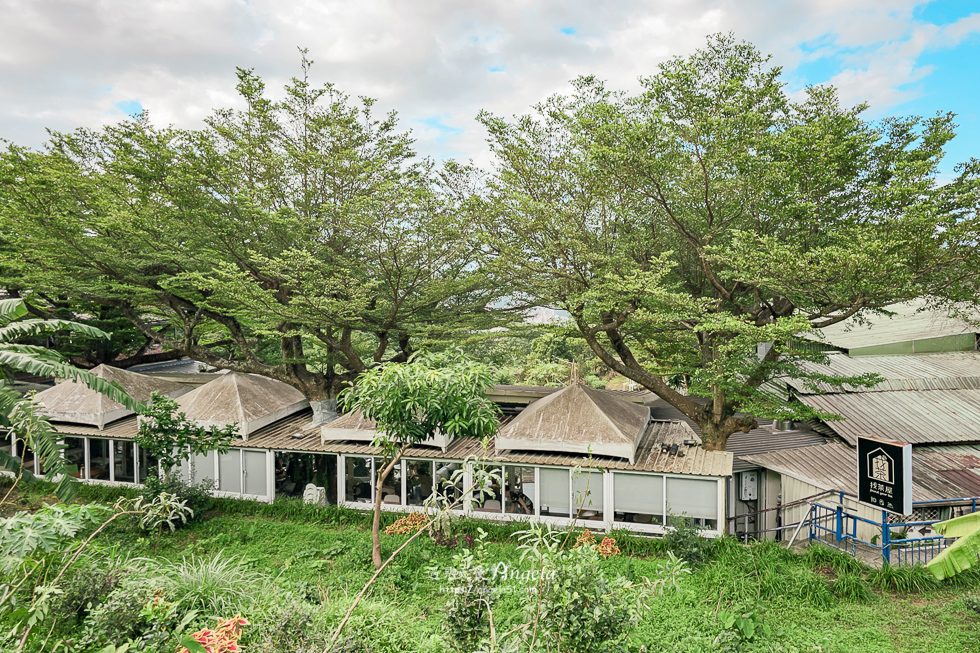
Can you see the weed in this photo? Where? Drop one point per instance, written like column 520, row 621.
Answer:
column 852, row 587
column 905, row 579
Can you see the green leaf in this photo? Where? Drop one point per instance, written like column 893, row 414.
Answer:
column 958, row 526
column 963, row 554
column 192, row 645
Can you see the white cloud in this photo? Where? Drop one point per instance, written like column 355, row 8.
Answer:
column 65, row 63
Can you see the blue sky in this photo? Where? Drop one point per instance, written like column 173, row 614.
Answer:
column 65, row 64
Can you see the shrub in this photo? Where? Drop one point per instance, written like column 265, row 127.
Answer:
column 223, row 638
column 467, row 618
column 84, row 591
column 199, row 498
column 852, row 587
column 687, row 543
column 211, row 585
column 905, row 579
column 581, row 609
column 121, row 617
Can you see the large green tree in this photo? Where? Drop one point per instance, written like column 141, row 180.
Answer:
column 301, row 239
column 701, row 227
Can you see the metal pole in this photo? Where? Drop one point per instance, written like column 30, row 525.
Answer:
column 798, row 527
column 886, row 549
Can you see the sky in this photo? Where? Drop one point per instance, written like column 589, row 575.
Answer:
column 85, row 63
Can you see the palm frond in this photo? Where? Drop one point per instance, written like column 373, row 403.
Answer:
column 12, row 309
column 32, row 328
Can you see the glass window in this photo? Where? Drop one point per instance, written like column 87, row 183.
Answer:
column 588, row 494
column 519, row 490
column 230, row 471
column 638, row 498
column 554, row 493
column 694, row 499
column 255, row 473
column 490, row 498
column 203, row 467
column 124, row 461
column 449, row 482
column 294, row 471
column 418, row 481
column 391, row 492
column 98, row 453
column 75, row 455
column 6, row 445
column 358, row 479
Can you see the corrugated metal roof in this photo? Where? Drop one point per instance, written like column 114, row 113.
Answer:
column 282, row 436
column 529, row 393
column 758, row 440
column 938, row 473
column 919, row 417
column 911, row 321
column 124, row 429
column 946, row 371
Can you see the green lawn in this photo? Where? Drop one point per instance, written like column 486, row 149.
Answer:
column 315, row 555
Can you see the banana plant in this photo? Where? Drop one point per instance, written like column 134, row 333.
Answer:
column 19, row 415
column 964, row 553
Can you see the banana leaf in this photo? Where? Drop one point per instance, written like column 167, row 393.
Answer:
column 963, row 554
column 959, row 526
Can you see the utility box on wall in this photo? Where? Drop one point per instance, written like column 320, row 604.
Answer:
column 748, row 486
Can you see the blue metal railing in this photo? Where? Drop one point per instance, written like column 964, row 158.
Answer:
column 835, row 526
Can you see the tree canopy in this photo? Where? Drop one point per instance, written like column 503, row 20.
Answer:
column 301, row 239
column 703, row 226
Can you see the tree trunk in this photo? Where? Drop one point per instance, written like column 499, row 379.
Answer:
column 376, row 524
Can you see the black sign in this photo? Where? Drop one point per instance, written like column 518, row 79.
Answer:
column 885, row 474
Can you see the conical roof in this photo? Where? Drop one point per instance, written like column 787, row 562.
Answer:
column 577, row 419
column 74, row 402
column 249, row 400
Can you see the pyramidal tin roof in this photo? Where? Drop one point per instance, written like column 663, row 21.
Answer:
column 578, row 419
column 353, row 426
column 74, row 402
column 249, row 400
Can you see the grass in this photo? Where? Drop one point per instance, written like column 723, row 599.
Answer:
column 820, row 601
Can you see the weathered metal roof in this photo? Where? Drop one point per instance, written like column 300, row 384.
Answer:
column 945, row 371
column 911, row 321
column 918, row 417
column 249, row 400
column 525, row 394
column 577, row 419
column 294, row 433
column 71, row 401
column 123, row 429
column 938, row 473
column 758, row 440
column 650, row 456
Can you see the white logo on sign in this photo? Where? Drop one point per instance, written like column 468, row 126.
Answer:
column 880, row 466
